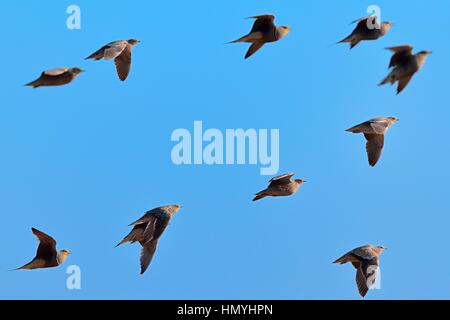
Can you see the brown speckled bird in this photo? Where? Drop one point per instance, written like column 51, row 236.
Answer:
column 374, row 131
column 46, row 256
column 365, row 259
column 56, row 77
column 120, row 51
column 263, row 31
column 405, row 65
column 147, row 231
column 368, row 28
column 281, row 186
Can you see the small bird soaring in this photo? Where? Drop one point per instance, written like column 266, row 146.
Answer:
column 46, row 256
column 56, row 77
column 374, row 131
column 120, row 51
column 263, row 31
column 281, row 186
column 405, row 65
column 147, row 231
column 365, row 259
column 368, row 28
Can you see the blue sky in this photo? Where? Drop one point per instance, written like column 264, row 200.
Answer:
column 81, row 162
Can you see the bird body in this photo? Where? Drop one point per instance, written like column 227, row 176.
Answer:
column 404, row 66
column 281, row 186
column 374, row 131
column 147, row 231
column 56, row 77
column 263, row 31
column 368, row 28
column 46, row 256
column 365, row 259
column 120, row 51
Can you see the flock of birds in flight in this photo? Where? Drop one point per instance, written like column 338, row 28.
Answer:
column 149, row 228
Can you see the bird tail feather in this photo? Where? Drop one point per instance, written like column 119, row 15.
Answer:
column 259, row 196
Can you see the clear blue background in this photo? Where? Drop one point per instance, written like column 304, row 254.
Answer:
column 82, row 161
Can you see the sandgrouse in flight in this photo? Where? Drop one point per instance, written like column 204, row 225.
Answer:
column 46, row 256
column 365, row 260
column 405, row 65
column 263, row 31
column 374, row 131
column 147, row 231
column 281, row 186
column 368, row 28
column 56, row 77
column 120, row 51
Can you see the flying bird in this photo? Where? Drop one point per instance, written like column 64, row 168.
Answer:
column 46, row 256
column 368, row 28
column 374, row 131
column 120, row 51
column 56, row 77
column 405, row 65
column 365, row 259
column 263, row 31
column 281, row 186
column 147, row 231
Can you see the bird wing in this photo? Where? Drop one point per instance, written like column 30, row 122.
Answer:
column 114, row 49
column 123, row 63
column 147, row 253
column 55, row 72
column 379, row 126
column 374, row 147
column 364, row 252
column 362, row 25
column 264, row 23
column 402, row 54
column 402, row 83
column 285, row 178
column 366, row 275
column 148, row 216
column 361, row 282
column 156, row 227
column 253, row 48
column 47, row 245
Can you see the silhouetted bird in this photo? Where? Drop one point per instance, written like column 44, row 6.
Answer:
column 147, row 231
column 405, row 65
column 263, row 31
column 120, row 51
column 281, row 186
column 365, row 259
column 56, row 77
column 374, row 131
column 46, row 256
column 368, row 28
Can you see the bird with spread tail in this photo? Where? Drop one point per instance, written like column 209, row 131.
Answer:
column 56, row 77
column 365, row 259
column 147, row 231
column 263, row 31
column 281, row 186
column 405, row 65
column 368, row 28
column 120, row 51
column 374, row 131
column 46, row 256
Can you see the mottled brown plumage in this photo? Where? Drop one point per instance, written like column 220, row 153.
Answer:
column 120, row 51
column 365, row 259
column 281, row 186
column 46, row 256
column 263, row 31
column 56, row 77
column 374, row 131
column 147, row 231
column 368, row 28
column 405, row 65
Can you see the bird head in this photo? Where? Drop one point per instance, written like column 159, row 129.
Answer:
column 380, row 249
column 62, row 256
column 386, row 26
column 77, row 70
column 393, row 119
column 283, row 31
column 172, row 209
column 300, row 181
column 133, row 42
